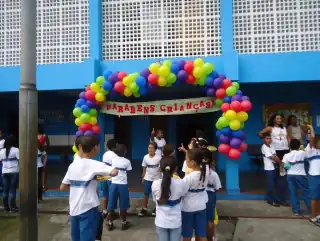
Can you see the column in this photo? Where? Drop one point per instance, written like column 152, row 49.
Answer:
column 95, row 25
column 140, row 136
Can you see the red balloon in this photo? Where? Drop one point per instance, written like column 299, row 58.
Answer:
column 188, row 67
column 236, row 106
column 88, row 87
column 243, row 147
column 153, row 79
column 224, row 148
column 246, row 105
column 221, row 93
column 96, row 129
column 226, row 83
column 225, row 107
column 90, row 95
column 234, row 154
column 121, row 75
column 191, row 79
column 85, row 127
column 119, row 87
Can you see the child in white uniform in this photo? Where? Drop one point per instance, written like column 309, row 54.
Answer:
column 151, row 172
column 296, row 174
column 194, row 215
column 83, row 199
column 9, row 156
column 119, row 188
column 41, row 162
column 157, row 137
column 167, row 193
column 194, row 143
column 107, row 159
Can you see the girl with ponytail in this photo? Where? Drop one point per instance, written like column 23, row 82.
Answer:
column 167, row 192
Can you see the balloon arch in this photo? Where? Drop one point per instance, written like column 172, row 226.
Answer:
column 228, row 97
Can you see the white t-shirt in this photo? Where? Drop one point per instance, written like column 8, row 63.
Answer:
column 313, row 156
column 296, row 132
column 279, row 138
column 83, row 186
column 268, row 152
column 160, row 144
column 40, row 156
column 169, row 216
column 296, row 159
column 196, row 197
column 214, row 182
column 123, row 165
column 10, row 163
column 108, row 156
column 152, row 165
column 2, row 144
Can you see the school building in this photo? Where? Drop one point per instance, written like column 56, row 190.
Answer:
column 270, row 47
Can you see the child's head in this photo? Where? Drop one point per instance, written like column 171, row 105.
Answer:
column 168, row 166
column 111, row 144
column 197, row 159
column 121, row 150
column 152, row 147
column 159, row 134
column 88, row 145
column 168, row 150
column 295, row 144
column 267, row 139
column 193, row 143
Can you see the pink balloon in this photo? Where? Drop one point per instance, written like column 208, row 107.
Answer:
column 153, row 79
column 121, row 75
column 226, row 83
column 119, row 87
column 236, row 106
column 224, row 148
column 191, row 79
column 221, row 93
column 96, row 129
column 246, row 105
column 225, row 107
column 243, row 147
column 188, row 67
column 85, row 127
column 234, row 154
column 90, row 95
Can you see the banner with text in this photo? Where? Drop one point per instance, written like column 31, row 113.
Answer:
column 163, row 107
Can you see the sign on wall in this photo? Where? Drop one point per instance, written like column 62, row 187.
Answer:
column 163, row 107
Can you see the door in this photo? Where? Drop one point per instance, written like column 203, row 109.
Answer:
column 123, row 132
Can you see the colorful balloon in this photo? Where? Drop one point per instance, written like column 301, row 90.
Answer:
column 236, row 106
column 107, row 86
column 119, row 87
column 242, row 116
column 82, row 95
column 77, row 112
column 154, row 68
column 235, row 143
column 93, row 121
column 93, row 112
column 236, row 98
column 224, row 148
column 74, row 148
column 218, row 102
column 243, row 147
column 191, row 79
column 223, row 121
column 164, row 71
column 127, row 92
column 221, row 93
column 234, row 154
column 246, row 105
column 121, row 75
column 95, row 87
column 113, row 77
column 100, row 97
column 236, row 85
column 172, row 78
column 85, row 109
column 182, row 75
column 226, row 83
column 210, row 92
column 198, row 72
column 96, row 129
column 107, row 74
column 79, row 133
column 85, row 118
column 153, row 79
column 188, row 67
column 231, row 91
column 225, row 107
column 235, row 125
column 226, row 131
column 198, row 62
column 175, row 68
column 217, row 83
column 231, row 115
column 181, row 64
column 208, row 68
column 141, row 81
column 90, row 95
column 100, row 80
column 78, row 122
column 145, row 73
column 224, row 139
column 162, row 81
column 209, row 81
column 167, row 63
column 227, row 99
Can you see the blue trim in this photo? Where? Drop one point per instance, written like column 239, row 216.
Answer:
column 317, row 157
column 153, row 166
column 79, row 184
column 95, row 26
column 210, row 185
column 171, row 203
column 196, row 190
column 121, row 169
column 10, row 159
column 108, row 164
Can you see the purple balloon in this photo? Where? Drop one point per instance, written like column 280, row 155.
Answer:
column 245, row 98
column 89, row 133
column 239, row 134
column 217, row 83
column 235, row 143
column 113, row 78
column 181, row 64
column 224, row 139
column 145, row 73
column 79, row 133
column 82, row 95
column 236, row 98
column 91, row 103
column 210, row 92
column 182, row 75
column 113, row 93
column 239, row 92
column 222, row 76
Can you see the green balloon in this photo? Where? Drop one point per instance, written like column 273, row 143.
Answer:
column 134, row 88
column 219, row 102
column 223, row 121
column 231, row 91
column 93, row 112
column 77, row 112
column 136, row 94
column 202, row 81
column 236, row 85
column 100, row 80
column 172, row 78
column 218, row 126
column 85, row 118
column 241, row 125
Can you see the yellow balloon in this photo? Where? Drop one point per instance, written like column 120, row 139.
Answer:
column 93, row 121
column 154, row 68
column 198, row 72
column 95, row 87
column 134, row 75
column 231, row 115
column 162, row 81
column 235, row 125
column 127, row 81
column 100, row 97
column 78, row 122
column 242, row 116
column 164, row 71
column 74, row 149
column 198, row 62
column 127, row 92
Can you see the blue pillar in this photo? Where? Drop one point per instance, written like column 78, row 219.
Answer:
column 101, row 121
column 231, row 70
column 140, row 137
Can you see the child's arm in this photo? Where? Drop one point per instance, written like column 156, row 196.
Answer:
column 44, row 159
column 65, row 187
column 312, row 136
column 152, row 135
column 144, row 170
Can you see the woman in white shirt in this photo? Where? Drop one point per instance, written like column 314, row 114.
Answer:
column 294, row 130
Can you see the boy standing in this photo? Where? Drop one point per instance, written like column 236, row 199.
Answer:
column 157, row 137
column 83, row 199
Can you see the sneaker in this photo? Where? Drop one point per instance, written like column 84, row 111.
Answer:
column 274, row 204
column 110, row 226
column 314, row 222
column 153, row 212
column 14, row 210
column 297, row 214
column 125, row 225
column 104, row 214
column 143, row 213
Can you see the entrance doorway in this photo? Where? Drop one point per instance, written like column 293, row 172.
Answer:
column 123, row 132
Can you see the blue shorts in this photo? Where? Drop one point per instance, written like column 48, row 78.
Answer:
column 314, row 187
column 147, row 187
column 196, row 221
column 106, row 186
column 120, row 191
column 211, row 205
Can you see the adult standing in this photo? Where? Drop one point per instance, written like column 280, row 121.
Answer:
column 279, row 142
column 1, row 147
column 44, row 141
column 295, row 131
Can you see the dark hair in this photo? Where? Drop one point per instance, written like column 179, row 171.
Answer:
column 158, row 131
column 198, row 156
column 289, row 119
column 272, row 118
column 207, row 156
column 8, row 143
column 267, row 134
column 167, row 150
column 87, row 143
column 120, row 150
column 154, row 145
column 199, row 143
column 200, row 134
column 168, row 165
column 111, row 144
column 295, row 144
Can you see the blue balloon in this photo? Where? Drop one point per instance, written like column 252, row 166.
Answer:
column 85, row 108
column 226, row 131
column 239, row 134
column 106, row 74
column 214, row 75
column 218, row 133
column 209, row 81
column 107, row 86
column 239, row 92
column 89, row 133
column 227, row 99
column 143, row 91
column 80, row 102
column 141, row 81
column 175, row 68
